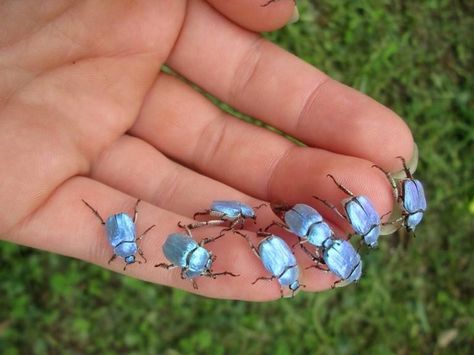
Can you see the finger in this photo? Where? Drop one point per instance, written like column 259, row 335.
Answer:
column 248, row 158
column 65, row 225
column 262, row 80
column 254, row 15
column 134, row 167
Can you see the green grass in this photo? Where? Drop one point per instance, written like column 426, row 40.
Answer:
column 416, row 296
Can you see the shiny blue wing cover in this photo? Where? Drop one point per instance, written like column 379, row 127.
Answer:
column 276, row 257
column 413, row 196
column 120, row 228
column 343, row 260
column 363, row 218
column 300, row 217
column 177, row 247
column 231, row 209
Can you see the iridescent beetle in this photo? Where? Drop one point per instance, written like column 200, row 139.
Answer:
column 121, row 234
column 233, row 211
column 303, row 221
column 360, row 213
column 278, row 260
column 193, row 259
column 341, row 259
column 410, row 195
column 338, row 255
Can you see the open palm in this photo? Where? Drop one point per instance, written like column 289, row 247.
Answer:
column 85, row 113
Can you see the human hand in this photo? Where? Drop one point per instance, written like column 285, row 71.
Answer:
column 86, row 113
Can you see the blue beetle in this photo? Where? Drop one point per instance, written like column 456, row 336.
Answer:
column 121, row 234
column 342, row 260
column 339, row 256
column 303, row 221
column 193, row 259
column 278, row 260
column 233, row 211
column 410, row 195
column 360, row 213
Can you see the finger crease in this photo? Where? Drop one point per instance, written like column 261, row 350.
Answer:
column 210, row 142
column 246, row 69
column 276, row 167
column 309, row 103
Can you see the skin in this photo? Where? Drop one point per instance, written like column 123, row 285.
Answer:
column 85, row 113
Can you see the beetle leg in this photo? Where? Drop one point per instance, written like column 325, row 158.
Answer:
column 274, row 223
column 96, row 213
column 183, row 270
column 209, row 240
column 234, row 223
column 268, row 3
column 249, row 242
column 135, row 211
column 385, row 214
column 300, row 241
column 242, row 222
column 112, row 258
column 259, row 206
column 145, row 232
column 263, row 234
column 405, row 168
column 391, row 180
column 266, row 278
column 166, row 266
column 317, row 266
column 213, row 275
column 140, row 252
column 201, row 224
column 195, row 285
column 306, row 250
column 333, row 286
column 341, row 187
column 204, row 213
column 331, row 206
column 185, row 227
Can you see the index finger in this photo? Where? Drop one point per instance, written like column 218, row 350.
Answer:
column 266, row 82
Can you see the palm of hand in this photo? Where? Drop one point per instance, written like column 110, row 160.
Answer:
column 86, row 113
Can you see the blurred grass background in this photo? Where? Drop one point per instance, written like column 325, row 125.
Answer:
column 416, row 295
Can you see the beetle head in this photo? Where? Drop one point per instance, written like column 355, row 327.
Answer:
column 279, row 208
column 130, row 259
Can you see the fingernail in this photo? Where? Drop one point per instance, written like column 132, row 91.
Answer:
column 389, row 227
column 295, row 16
column 412, row 164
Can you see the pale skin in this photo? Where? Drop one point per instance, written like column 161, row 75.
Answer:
column 85, row 113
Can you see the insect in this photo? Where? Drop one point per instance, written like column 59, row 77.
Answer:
column 233, row 211
column 121, row 234
column 343, row 260
column 410, row 195
column 278, row 260
column 193, row 259
column 270, row 1
column 303, row 221
column 360, row 213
